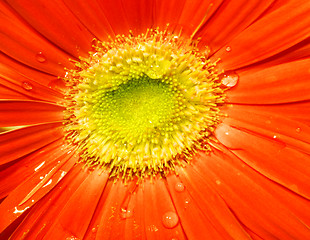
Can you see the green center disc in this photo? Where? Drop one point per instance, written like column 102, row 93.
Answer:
column 137, row 107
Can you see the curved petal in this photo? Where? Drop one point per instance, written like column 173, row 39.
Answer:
column 92, row 16
column 294, row 53
column 20, row 170
column 17, row 72
column 139, row 14
column 195, row 14
column 229, row 20
column 123, row 218
column 262, row 121
column 167, row 12
column 284, row 83
column 17, row 143
column 86, row 198
column 296, row 111
column 20, row 113
column 22, row 43
column 9, row 93
column 64, row 30
column 24, row 88
column 110, row 218
column 43, row 214
column 36, row 186
column 216, row 221
column 274, row 33
column 272, row 158
column 157, row 202
column 119, row 202
column 261, row 205
column 116, row 16
column 185, row 16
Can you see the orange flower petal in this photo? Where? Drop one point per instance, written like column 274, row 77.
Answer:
column 19, row 113
column 283, row 83
column 196, row 13
column 56, row 22
column 229, row 20
column 17, row 73
column 123, row 217
column 139, row 14
column 15, row 174
column 92, row 16
column 43, row 214
column 258, row 203
column 272, row 158
column 216, row 221
column 36, row 186
column 262, row 121
column 296, row 111
column 274, row 33
column 79, row 207
column 24, row 44
column 17, row 143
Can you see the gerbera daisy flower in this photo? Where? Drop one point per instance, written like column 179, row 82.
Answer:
column 151, row 119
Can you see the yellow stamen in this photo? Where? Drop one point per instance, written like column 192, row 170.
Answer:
column 140, row 105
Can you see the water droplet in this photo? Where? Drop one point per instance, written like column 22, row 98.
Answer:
column 170, row 219
column 27, row 86
column 229, row 79
column 16, row 211
column 72, row 238
column 186, row 202
column 228, row 49
column 179, row 187
column 94, row 230
column 125, row 213
column 57, row 84
column 40, row 57
column 218, row 182
column 48, row 183
column 38, row 167
column 298, row 130
column 152, row 228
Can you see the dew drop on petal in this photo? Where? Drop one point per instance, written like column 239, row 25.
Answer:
column 125, row 213
column 170, row 219
column 229, row 79
column 57, row 84
column 187, row 202
column 298, row 130
column 27, row 86
column 152, row 228
column 40, row 57
column 228, row 49
column 72, row 238
column 179, row 187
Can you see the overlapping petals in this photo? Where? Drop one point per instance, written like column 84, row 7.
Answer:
column 254, row 184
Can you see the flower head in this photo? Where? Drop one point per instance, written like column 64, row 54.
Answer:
column 154, row 119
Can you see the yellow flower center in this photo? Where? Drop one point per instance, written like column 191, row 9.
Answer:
column 142, row 105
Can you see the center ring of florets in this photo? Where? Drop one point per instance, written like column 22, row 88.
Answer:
column 141, row 104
